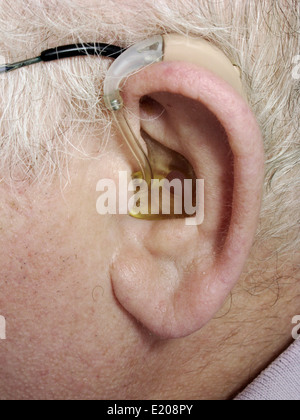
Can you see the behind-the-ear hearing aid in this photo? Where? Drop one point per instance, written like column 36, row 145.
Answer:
column 158, row 162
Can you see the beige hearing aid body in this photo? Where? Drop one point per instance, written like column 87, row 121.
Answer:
column 203, row 54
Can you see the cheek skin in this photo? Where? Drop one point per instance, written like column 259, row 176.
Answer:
column 63, row 321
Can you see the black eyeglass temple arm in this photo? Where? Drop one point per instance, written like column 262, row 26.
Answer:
column 68, row 51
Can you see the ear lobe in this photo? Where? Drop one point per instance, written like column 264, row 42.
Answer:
column 173, row 278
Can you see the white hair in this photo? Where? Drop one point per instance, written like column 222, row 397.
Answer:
column 47, row 110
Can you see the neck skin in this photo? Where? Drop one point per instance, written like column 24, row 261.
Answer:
column 231, row 350
column 67, row 336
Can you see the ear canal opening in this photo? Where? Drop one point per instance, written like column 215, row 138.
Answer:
column 166, row 194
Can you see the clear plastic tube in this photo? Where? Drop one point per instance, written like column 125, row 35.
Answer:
column 135, row 58
column 134, row 145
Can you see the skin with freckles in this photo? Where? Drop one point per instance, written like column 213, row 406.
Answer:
column 110, row 307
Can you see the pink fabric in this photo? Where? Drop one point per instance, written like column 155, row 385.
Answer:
column 280, row 382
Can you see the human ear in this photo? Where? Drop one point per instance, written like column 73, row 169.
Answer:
column 173, row 278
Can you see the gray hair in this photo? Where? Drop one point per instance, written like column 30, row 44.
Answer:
column 46, row 111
